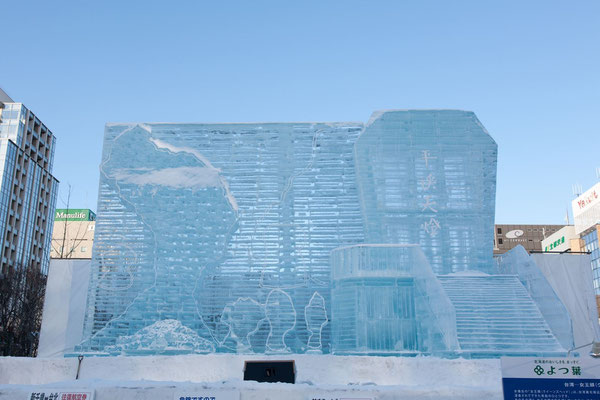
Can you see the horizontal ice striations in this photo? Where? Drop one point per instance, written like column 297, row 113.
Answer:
column 495, row 316
column 519, row 263
column 225, row 228
column 222, row 237
column 428, row 177
column 385, row 299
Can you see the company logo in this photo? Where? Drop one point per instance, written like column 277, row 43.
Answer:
column 587, row 199
column 514, row 234
column 63, row 215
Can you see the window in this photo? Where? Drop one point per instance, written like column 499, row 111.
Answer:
column 83, row 249
column 91, row 227
column 499, row 230
column 500, row 241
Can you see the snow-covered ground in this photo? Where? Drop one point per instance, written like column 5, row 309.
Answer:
column 160, row 377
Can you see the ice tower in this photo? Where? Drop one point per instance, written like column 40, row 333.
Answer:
column 428, row 177
column 308, row 238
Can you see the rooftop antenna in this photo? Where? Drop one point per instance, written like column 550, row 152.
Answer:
column 598, row 173
column 577, row 190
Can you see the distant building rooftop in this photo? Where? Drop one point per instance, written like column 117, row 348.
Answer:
column 5, row 98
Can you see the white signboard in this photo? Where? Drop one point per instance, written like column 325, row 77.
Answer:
column 533, row 378
column 207, row 394
column 586, row 209
column 586, row 200
column 61, row 394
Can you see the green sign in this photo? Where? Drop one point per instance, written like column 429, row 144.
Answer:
column 554, row 244
column 74, row 214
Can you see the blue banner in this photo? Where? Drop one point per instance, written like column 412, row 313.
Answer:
column 550, row 389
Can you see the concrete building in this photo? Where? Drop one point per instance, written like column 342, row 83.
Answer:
column 28, row 190
column 530, row 237
column 73, row 235
column 589, row 242
column 586, row 214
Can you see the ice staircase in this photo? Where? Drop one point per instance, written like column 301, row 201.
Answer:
column 496, row 316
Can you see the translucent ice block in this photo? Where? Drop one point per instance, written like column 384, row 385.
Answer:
column 226, row 228
column 386, row 300
column 428, row 177
column 518, row 262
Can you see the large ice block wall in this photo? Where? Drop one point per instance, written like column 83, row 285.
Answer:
column 217, row 237
column 224, row 231
column 429, row 177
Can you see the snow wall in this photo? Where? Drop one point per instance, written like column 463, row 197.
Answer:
column 317, row 376
column 571, row 278
column 64, row 307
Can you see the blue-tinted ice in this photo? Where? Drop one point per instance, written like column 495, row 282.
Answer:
column 223, row 238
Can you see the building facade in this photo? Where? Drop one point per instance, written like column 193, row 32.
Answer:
column 586, row 213
column 592, row 246
column 73, row 234
column 530, row 237
column 28, row 189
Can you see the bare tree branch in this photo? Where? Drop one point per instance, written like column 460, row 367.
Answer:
column 67, row 245
column 22, row 292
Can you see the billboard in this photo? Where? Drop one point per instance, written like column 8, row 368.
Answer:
column 74, row 214
column 560, row 240
column 586, row 209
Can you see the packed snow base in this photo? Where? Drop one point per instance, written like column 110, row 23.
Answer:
column 223, row 238
column 317, row 375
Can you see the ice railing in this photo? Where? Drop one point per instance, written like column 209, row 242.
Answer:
column 436, row 303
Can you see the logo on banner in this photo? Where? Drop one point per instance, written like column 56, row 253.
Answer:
column 533, row 378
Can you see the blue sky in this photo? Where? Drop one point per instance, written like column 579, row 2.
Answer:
column 529, row 70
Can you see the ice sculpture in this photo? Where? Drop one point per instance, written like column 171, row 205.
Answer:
column 518, row 262
column 315, row 315
column 219, row 238
column 386, row 300
column 226, row 228
column 167, row 336
column 495, row 316
column 428, row 177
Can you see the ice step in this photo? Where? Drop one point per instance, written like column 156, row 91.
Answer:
column 497, row 312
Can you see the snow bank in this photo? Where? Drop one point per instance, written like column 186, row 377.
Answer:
column 380, row 377
column 261, row 391
column 314, row 369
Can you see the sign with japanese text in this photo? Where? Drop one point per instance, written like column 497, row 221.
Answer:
column 586, row 200
column 61, row 394
column 536, row 378
column 208, row 394
column 560, row 240
column 554, row 245
column 427, row 186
